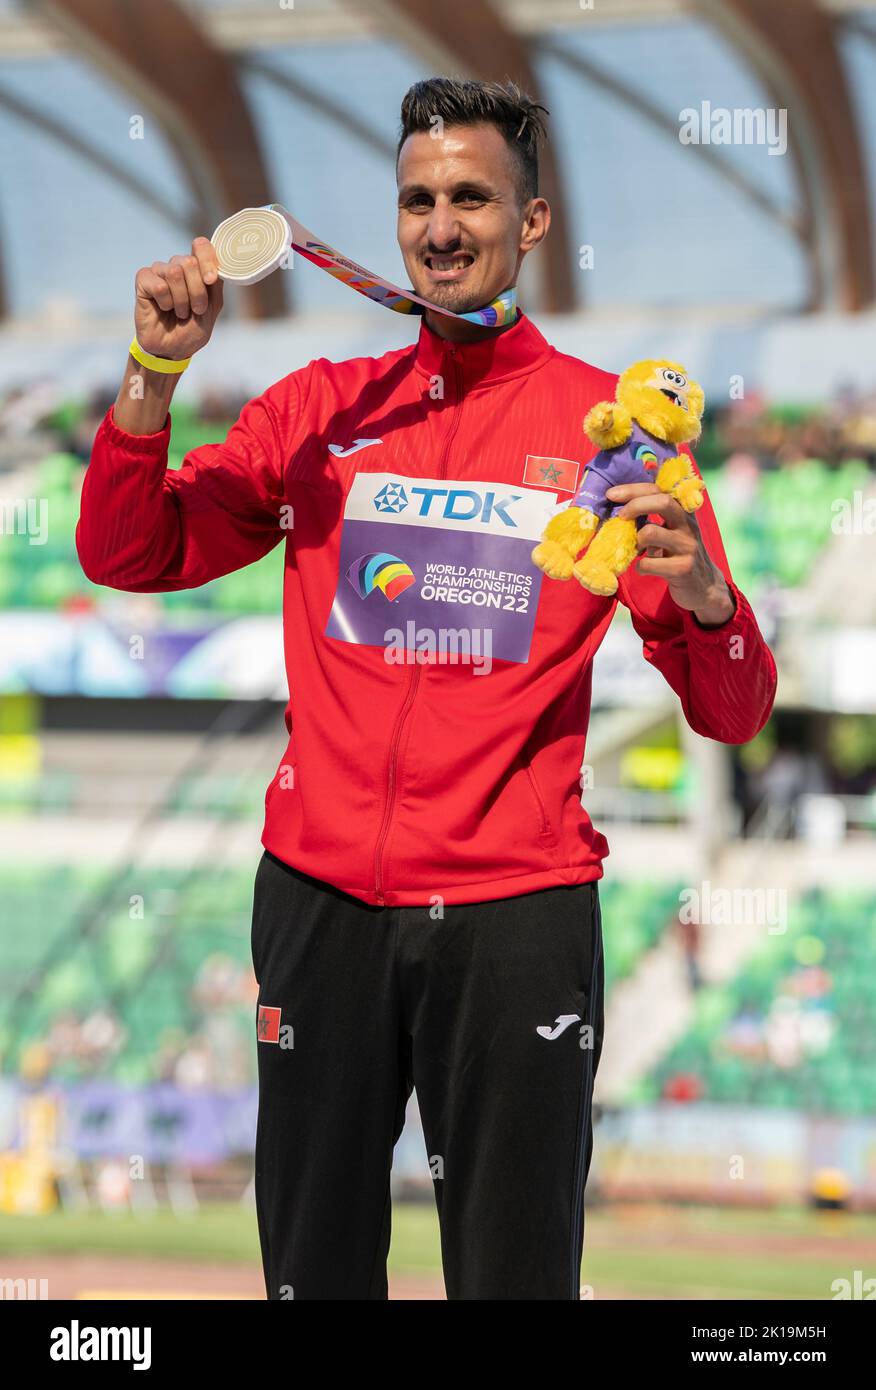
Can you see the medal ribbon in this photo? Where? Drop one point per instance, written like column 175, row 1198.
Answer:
column 496, row 314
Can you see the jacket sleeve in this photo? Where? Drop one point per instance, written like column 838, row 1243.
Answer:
column 725, row 677
column 146, row 528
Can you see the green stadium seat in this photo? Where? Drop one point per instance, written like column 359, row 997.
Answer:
column 839, row 1079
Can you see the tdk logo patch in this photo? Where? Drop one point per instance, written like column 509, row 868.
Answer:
column 391, row 498
column 450, row 504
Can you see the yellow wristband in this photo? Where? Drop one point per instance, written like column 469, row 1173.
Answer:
column 157, row 364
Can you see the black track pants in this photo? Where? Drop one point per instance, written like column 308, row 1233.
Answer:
column 494, row 1013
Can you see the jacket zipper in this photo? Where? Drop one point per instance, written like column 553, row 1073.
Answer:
column 391, row 781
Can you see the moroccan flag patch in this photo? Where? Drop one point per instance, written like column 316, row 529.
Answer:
column 269, row 1024
column 558, row 474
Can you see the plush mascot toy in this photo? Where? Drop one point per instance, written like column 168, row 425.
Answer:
column 656, row 407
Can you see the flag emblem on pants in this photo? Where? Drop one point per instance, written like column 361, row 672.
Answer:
column 268, row 1024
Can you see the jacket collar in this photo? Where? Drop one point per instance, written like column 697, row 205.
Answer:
column 519, row 349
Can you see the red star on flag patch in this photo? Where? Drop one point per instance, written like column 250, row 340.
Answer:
column 269, row 1024
column 560, row 475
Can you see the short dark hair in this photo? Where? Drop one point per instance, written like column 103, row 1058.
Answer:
column 462, row 102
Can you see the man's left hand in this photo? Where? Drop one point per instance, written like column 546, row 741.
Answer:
column 675, row 552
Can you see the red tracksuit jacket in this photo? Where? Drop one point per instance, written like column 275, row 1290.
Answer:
column 404, row 489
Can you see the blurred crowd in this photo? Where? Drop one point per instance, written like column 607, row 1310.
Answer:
column 745, row 433
column 212, row 1052
column 40, row 409
column 755, row 433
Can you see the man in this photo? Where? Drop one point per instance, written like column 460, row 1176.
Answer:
column 426, row 910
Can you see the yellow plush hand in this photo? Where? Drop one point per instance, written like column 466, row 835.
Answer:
column 608, row 424
column 672, row 471
column 689, row 493
column 676, row 476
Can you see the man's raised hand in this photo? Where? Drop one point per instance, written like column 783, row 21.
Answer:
column 178, row 302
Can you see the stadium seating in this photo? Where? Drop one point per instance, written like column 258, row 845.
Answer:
column 168, row 957
column 772, row 540
column 777, row 536
column 634, row 917
column 794, row 1028
column 147, row 956
column 164, row 958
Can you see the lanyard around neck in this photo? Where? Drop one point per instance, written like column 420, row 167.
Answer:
column 255, row 242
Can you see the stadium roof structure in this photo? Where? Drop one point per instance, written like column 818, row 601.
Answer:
column 188, row 62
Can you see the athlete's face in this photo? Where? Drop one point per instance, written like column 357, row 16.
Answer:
column 462, row 228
